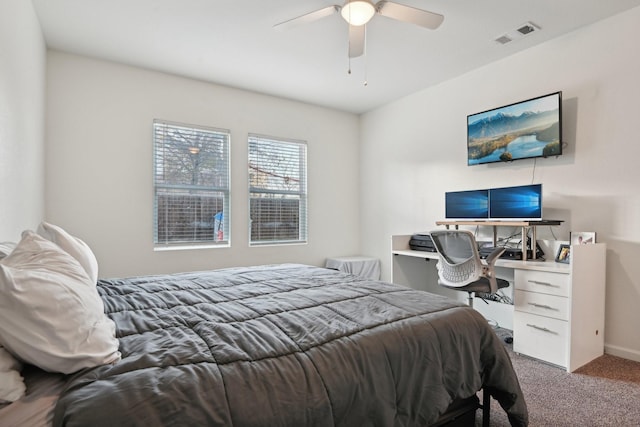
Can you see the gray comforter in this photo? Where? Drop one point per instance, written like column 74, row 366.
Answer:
column 286, row 345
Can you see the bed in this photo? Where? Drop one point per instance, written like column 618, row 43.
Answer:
column 282, row 345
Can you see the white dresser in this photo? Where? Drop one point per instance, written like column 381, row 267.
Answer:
column 559, row 316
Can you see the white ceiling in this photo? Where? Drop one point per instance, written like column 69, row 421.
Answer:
column 232, row 42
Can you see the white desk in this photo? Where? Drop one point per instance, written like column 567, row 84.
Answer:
column 558, row 311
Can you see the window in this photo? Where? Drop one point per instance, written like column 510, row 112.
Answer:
column 277, row 191
column 191, row 183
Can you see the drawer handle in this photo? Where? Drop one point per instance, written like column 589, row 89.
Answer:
column 540, row 328
column 548, row 307
column 536, row 282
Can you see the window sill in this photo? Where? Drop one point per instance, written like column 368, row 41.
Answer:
column 187, row 247
column 281, row 243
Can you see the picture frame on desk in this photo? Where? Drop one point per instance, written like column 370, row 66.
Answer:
column 582, row 237
column 564, row 254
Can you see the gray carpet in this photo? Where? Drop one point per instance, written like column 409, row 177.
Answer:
column 605, row 392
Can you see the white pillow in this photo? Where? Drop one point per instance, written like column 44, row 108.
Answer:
column 12, row 385
column 73, row 246
column 50, row 312
column 6, row 248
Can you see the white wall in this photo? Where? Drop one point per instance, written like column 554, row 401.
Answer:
column 22, row 77
column 99, row 164
column 98, row 161
column 414, row 150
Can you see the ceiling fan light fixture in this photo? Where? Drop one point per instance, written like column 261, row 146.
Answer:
column 357, row 12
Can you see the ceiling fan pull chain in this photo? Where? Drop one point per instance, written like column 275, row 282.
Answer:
column 365, row 55
column 349, row 45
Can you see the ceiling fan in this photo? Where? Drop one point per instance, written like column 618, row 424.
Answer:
column 359, row 12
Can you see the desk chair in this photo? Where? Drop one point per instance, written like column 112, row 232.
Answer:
column 460, row 266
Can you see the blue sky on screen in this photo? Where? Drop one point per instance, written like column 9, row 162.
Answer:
column 542, row 104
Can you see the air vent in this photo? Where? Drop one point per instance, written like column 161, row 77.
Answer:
column 526, row 29
column 522, row 30
column 503, row 39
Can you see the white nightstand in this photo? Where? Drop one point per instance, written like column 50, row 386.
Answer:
column 364, row 266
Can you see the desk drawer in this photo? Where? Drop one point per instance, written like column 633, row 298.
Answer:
column 542, row 281
column 540, row 337
column 543, row 304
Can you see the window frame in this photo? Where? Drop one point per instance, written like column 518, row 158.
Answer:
column 301, row 194
column 225, row 191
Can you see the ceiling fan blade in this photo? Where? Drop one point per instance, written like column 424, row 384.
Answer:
column 356, row 40
column 306, row 18
column 409, row 14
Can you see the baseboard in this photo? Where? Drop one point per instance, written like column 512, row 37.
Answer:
column 623, row 352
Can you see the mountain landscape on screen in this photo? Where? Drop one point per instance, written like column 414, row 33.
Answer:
column 503, row 135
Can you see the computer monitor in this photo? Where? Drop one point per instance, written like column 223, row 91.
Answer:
column 516, row 203
column 472, row 204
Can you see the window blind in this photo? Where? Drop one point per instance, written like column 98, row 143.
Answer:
column 277, row 190
column 191, row 184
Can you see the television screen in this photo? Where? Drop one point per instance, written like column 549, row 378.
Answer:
column 518, row 203
column 473, row 204
column 527, row 129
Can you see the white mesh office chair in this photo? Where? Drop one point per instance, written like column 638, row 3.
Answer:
column 460, row 266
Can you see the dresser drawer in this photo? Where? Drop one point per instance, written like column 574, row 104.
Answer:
column 542, row 281
column 540, row 337
column 542, row 304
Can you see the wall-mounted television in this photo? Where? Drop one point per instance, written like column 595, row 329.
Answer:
column 523, row 202
column 523, row 130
